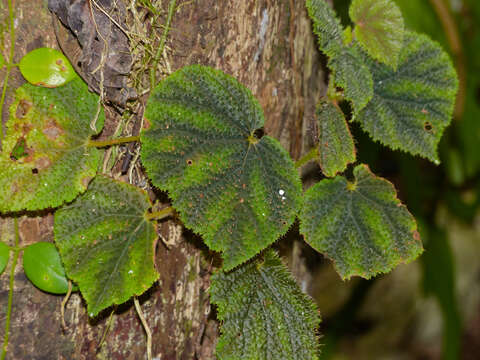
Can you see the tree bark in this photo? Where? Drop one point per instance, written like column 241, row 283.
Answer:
column 269, row 47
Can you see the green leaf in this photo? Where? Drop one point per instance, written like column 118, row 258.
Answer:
column 326, row 26
column 379, row 29
column 106, row 243
column 43, row 267
column 45, row 159
column 351, row 73
column 336, row 148
column 238, row 191
column 411, row 107
column 265, row 315
column 46, row 67
column 2, row 61
column 4, row 254
column 361, row 226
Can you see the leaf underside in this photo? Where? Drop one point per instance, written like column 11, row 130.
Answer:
column 411, row 107
column 238, row 191
column 106, row 244
column 336, row 148
column 45, row 161
column 379, row 29
column 265, row 315
column 361, row 226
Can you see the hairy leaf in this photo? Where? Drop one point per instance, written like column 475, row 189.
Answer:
column 361, row 226
column 379, row 29
column 336, row 149
column 106, row 243
column 45, row 159
column 43, row 267
column 351, row 73
column 4, row 254
column 46, row 67
column 265, row 315
column 239, row 191
column 326, row 26
column 412, row 106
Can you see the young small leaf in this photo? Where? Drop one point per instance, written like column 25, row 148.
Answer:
column 361, row 226
column 326, row 26
column 239, row 190
column 106, row 243
column 265, row 315
column 46, row 67
column 45, row 159
column 43, row 267
column 336, row 148
column 351, row 73
column 4, row 254
column 379, row 29
column 412, row 106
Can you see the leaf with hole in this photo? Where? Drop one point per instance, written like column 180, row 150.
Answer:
column 264, row 313
column 412, row 106
column 335, row 143
column 239, row 190
column 106, row 243
column 46, row 67
column 379, row 29
column 43, row 267
column 360, row 225
column 46, row 160
column 4, row 254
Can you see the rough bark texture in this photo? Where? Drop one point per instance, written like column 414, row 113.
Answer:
column 268, row 45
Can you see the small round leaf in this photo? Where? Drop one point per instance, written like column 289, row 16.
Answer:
column 43, row 267
column 46, row 67
column 4, row 253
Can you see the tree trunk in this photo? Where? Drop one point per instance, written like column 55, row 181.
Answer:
column 269, row 47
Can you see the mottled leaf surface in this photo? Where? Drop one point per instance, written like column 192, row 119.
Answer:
column 412, row 106
column 361, row 226
column 351, row 73
column 240, row 192
column 336, row 148
column 106, row 243
column 264, row 313
column 326, row 26
column 379, row 29
column 45, row 160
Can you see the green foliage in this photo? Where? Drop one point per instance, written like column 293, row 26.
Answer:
column 106, row 243
column 412, row 106
column 43, row 267
column 379, row 29
column 46, row 67
column 46, row 160
column 265, row 315
column 239, row 191
column 4, row 255
column 336, row 149
column 361, row 226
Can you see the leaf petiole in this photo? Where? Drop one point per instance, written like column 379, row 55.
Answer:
column 110, row 142
column 311, row 155
column 159, row 215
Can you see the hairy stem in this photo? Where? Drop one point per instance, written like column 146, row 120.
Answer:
column 16, row 253
column 163, row 40
column 145, row 327
column 159, row 215
column 110, row 142
column 311, row 155
column 64, row 304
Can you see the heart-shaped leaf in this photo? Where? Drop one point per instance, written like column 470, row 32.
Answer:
column 4, row 254
column 379, row 29
column 335, row 149
column 106, row 243
column 46, row 67
column 361, row 226
column 46, row 160
column 412, row 106
column 239, row 191
column 43, row 267
column 265, row 315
